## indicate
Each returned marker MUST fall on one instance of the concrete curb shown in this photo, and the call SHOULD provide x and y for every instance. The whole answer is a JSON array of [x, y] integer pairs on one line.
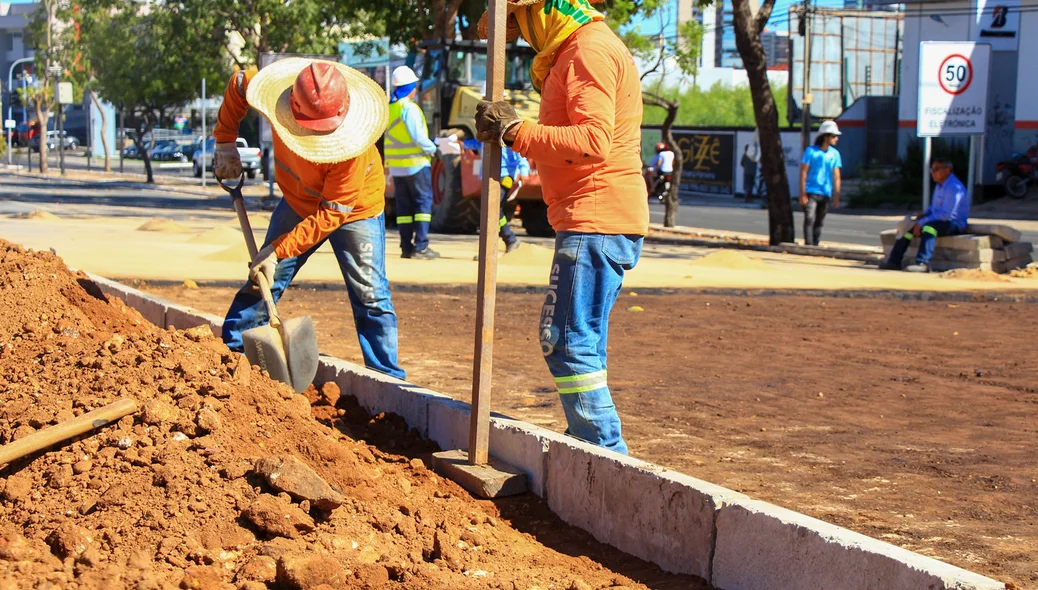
[[705, 239], [682, 524]]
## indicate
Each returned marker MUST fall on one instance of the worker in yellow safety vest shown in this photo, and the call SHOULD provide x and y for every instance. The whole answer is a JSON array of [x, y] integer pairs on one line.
[[408, 152]]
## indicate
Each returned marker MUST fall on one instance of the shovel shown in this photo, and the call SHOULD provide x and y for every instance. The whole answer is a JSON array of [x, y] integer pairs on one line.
[[285, 349]]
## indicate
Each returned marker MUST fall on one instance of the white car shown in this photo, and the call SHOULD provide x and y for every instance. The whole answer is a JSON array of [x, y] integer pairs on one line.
[[250, 157]]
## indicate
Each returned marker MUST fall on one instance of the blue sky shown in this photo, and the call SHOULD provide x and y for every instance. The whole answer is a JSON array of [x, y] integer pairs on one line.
[[779, 15]]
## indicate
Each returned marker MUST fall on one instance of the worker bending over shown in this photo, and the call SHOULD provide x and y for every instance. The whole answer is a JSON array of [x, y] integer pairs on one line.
[[325, 118]]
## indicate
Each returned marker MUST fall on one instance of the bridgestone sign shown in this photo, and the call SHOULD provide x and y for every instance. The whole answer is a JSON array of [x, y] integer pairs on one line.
[[953, 88]]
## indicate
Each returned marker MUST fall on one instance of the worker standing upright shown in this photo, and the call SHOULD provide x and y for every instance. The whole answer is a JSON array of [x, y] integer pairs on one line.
[[408, 156], [587, 145]]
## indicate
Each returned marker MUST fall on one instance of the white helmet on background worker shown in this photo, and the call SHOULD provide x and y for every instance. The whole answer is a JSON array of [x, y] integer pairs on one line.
[[403, 76], [828, 128]]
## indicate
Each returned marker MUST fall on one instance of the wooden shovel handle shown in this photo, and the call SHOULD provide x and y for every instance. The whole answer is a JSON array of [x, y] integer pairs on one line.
[[243, 221], [250, 243], [69, 429]]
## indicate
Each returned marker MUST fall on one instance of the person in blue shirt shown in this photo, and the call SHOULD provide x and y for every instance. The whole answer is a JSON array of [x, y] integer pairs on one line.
[[514, 168], [820, 180], [948, 215]]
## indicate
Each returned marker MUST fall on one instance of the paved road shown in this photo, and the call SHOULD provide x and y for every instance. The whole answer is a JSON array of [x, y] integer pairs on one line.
[[20, 194], [843, 227]]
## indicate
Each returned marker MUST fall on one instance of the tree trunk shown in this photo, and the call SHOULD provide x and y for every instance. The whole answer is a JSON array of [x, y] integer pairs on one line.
[[670, 203], [773, 166], [43, 116], [142, 130], [104, 130]]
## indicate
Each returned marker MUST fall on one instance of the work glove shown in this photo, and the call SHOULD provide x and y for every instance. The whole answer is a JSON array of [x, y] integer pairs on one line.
[[507, 182], [227, 161], [264, 264], [493, 120]]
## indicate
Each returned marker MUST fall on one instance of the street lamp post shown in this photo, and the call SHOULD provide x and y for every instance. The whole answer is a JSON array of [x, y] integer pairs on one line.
[[10, 107]]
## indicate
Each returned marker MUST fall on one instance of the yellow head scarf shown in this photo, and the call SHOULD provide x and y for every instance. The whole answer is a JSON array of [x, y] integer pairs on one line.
[[546, 25]]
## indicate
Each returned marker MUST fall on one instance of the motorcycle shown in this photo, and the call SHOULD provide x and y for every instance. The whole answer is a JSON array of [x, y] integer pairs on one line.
[[658, 186], [1018, 172]]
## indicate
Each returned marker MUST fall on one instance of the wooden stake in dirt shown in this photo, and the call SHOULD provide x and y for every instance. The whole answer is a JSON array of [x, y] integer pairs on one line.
[[66, 430], [479, 476]]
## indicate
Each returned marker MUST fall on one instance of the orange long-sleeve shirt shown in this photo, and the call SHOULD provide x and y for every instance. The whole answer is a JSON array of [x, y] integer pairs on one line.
[[326, 196], [587, 143]]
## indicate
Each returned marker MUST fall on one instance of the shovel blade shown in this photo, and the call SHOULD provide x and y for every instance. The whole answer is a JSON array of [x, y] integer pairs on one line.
[[300, 342], [263, 347]]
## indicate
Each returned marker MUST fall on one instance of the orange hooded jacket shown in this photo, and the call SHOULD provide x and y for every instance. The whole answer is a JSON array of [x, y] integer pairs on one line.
[[326, 196], [587, 142]]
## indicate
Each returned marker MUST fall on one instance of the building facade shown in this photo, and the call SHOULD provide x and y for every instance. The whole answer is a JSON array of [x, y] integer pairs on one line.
[[1011, 27], [13, 46]]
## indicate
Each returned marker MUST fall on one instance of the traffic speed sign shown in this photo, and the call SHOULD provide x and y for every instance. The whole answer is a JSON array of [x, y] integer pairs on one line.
[[953, 88], [955, 74]]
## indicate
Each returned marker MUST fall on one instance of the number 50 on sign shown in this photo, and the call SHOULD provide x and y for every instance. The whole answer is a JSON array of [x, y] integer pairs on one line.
[[953, 88]]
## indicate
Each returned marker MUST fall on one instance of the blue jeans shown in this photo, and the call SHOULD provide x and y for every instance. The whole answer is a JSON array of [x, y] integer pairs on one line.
[[586, 276], [927, 241], [413, 196], [360, 249]]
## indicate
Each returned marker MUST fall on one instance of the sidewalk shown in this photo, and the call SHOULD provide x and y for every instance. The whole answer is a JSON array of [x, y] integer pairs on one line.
[[179, 184]]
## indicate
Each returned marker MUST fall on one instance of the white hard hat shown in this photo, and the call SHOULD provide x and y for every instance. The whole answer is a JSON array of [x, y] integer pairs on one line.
[[827, 127], [402, 76]]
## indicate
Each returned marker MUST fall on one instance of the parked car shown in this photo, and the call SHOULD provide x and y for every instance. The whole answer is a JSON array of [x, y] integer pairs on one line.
[[250, 157], [69, 143], [161, 148]]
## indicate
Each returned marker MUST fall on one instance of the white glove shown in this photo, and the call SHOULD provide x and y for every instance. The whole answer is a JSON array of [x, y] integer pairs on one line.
[[227, 161], [264, 263]]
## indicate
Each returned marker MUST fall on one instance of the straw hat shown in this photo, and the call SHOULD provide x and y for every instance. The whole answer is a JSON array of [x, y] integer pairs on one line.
[[511, 26], [364, 120]]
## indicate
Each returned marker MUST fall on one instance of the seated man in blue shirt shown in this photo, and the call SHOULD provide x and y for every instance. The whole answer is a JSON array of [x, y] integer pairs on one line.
[[948, 215]]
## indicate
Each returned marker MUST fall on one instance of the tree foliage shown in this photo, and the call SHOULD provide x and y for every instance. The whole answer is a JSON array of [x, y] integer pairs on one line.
[[150, 61]]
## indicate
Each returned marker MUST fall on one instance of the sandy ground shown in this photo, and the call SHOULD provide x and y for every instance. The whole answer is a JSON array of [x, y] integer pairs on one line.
[[912, 422], [207, 246]]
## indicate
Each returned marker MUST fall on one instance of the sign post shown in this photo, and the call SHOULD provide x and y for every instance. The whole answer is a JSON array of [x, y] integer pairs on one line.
[[953, 98]]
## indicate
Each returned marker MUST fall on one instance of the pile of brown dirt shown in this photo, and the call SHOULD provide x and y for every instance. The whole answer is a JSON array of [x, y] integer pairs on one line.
[[223, 480], [163, 225], [731, 259], [220, 235], [974, 274], [38, 215]]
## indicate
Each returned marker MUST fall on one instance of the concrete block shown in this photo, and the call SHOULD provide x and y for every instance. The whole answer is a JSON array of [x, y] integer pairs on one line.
[[377, 393], [1018, 249], [980, 255], [1018, 262], [960, 242], [449, 423], [183, 318], [1008, 234], [761, 546], [525, 447], [493, 480], [657, 515]]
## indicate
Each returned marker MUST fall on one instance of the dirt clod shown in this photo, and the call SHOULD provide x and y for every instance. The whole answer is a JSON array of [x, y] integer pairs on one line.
[[278, 518], [292, 476], [308, 572]]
